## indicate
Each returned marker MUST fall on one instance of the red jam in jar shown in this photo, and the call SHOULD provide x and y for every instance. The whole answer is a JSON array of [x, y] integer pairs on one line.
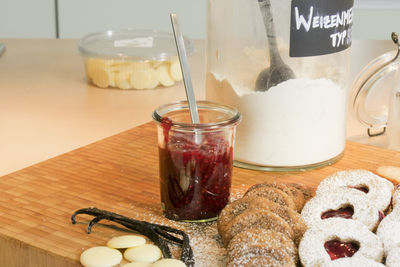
[[196, 166]]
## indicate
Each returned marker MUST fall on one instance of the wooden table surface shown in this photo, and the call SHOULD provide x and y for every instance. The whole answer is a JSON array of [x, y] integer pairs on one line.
[[120, 174]]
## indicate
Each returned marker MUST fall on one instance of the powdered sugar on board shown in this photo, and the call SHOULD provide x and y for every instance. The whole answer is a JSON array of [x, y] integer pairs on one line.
[[205, 241]]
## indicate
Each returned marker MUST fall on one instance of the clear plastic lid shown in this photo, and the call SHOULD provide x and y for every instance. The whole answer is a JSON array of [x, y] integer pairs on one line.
[[131, 44], [373, 86]]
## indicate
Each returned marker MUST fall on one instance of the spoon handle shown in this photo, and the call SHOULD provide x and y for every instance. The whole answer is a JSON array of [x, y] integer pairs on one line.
[[187, 80], [265, 7]]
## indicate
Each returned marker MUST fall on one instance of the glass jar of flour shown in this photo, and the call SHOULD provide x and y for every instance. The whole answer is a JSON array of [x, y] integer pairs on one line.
[[284, 65]]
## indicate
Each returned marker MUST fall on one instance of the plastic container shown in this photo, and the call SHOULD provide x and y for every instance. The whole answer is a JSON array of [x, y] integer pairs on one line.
[[131, 59], [196, 160], [297, 119], [376, 102]]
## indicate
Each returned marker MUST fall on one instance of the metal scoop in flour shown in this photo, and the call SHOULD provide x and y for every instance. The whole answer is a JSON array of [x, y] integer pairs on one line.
[[278, 71]]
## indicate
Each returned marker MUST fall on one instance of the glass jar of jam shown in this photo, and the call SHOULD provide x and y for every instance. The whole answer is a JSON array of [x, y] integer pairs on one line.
[[195, 160]]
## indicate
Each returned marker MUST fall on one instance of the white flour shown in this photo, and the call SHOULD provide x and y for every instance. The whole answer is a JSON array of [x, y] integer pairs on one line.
[[298, 122]]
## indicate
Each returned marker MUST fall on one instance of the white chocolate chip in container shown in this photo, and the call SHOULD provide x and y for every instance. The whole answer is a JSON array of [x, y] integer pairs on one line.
[[169, 263], [144, 79], [163, 74], [126, 241], [143, 253], [175, 70], [100, 257]]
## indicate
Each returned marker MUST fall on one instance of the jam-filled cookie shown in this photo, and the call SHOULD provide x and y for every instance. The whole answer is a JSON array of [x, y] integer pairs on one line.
[[336, 238], [393, 257], [376, 188], [262, 242], [256, 219], [352, 262], [343, 202], [396, 198], [388, 230]]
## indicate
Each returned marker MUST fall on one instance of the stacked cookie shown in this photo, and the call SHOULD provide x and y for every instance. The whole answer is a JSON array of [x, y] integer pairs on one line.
[[342, 219], [264, 227], [388, 232]]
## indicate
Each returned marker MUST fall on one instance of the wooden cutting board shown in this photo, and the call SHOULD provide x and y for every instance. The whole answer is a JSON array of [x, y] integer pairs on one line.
[[120, 174]]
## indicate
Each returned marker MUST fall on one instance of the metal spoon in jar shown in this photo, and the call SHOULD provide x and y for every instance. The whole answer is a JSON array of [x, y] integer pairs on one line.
[[187, 80], [278, 71]]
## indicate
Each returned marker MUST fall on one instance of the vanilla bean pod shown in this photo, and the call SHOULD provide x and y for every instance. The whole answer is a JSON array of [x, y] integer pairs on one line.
[[137, 228], [152, 231]]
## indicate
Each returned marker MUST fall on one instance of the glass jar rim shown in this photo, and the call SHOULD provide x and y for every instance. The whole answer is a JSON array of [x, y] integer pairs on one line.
[[158, 114]]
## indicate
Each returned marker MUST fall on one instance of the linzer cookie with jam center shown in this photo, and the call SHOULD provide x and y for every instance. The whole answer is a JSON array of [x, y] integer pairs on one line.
[[336, 238], [343, 202], [376, 188]]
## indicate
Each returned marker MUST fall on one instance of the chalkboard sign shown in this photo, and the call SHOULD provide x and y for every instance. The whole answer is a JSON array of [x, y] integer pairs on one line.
[[320, 27]]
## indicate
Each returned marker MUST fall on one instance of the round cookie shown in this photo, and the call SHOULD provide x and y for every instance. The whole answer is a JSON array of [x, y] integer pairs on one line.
[[237, 207], [255, 260], [307, 192], [312, 249], [271, 193], [262, 242], [393, 257], [292, 192], [388, 230], [256, 219], [293, 218], [342, 197], [352, 262], [379, 189]]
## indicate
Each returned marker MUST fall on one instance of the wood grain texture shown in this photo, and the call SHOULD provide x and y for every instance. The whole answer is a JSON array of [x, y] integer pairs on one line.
[[120, 174]]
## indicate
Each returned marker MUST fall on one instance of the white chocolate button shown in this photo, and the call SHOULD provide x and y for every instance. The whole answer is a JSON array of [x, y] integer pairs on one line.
[[100, 257], [126, 241], [143, 253], [169, 263], [101, 77], [137, 264], [122, 80], [144, 79], [175, 70], [163, 74]]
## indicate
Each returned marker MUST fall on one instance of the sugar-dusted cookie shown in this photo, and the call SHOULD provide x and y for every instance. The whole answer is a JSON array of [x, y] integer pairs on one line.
[[256, 219], [388, 230], [393, 257], [342, 202], [353, 262], [376, 188], [291, 191], [336, 238], [262, 242], [271, 193]]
